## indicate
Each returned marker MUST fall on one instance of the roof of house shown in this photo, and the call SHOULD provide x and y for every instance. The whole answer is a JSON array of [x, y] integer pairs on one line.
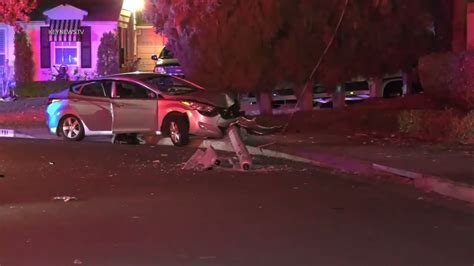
[[99, 10]]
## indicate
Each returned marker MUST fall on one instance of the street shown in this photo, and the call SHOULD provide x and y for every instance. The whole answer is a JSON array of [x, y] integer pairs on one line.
[[135, 206]]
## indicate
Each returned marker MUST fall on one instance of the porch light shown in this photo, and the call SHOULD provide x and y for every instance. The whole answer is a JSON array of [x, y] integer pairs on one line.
[[133, 5]]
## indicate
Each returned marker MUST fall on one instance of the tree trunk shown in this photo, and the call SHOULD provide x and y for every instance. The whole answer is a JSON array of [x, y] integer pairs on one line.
[[407, 82], [459, 25], [339, 97], [375, 87], [305, 98], [264, 100]]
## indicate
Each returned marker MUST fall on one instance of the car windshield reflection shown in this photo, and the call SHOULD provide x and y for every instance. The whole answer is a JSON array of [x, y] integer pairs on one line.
[[169, 85]]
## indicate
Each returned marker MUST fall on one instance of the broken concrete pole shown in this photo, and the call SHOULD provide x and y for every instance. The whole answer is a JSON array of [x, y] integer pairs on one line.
[[239, 147]]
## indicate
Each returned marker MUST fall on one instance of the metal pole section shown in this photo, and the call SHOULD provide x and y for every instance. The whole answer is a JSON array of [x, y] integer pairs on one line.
[[239, 147]]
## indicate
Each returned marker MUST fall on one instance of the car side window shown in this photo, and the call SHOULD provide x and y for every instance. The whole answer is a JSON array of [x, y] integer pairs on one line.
[[128, 90], [94, 89], [107, 84]]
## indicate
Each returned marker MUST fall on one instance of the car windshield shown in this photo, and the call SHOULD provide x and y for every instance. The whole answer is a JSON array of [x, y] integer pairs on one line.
[[166, 54], [170, 85]]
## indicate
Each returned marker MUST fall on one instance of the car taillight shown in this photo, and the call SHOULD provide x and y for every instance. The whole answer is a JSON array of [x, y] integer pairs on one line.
[[52, 100]]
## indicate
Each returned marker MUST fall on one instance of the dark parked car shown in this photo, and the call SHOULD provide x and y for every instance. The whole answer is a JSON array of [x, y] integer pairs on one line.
[[167, 64]]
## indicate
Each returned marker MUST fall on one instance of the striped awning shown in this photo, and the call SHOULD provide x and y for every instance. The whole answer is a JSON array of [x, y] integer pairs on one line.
[[65, 30]]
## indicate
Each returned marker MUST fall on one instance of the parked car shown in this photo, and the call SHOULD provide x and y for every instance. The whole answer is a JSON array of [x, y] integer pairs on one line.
[[393, 87], [166, 63], [143, 103]]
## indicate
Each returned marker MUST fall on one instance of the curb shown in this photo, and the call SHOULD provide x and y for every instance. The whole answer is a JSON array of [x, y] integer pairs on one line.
[[11, 133], [443, 186]]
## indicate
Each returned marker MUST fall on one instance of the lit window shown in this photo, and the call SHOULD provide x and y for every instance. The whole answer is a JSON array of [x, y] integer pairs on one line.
[[3, 45], [66, 53]]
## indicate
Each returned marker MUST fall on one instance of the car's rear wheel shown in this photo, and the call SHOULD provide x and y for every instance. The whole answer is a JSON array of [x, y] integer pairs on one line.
[[71, 128], [178, 130]]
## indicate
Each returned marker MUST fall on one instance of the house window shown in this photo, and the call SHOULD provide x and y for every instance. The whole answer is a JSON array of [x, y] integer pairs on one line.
[[66, 53], [3, 49]]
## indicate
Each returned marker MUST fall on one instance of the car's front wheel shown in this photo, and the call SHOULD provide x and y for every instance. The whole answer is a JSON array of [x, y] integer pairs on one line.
[[178, 130], [71, 128]]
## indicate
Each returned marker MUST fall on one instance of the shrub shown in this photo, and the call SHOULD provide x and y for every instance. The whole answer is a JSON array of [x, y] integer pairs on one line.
[[436, 125], [24, 65], [463, 129], [448, 78], [108, 55]]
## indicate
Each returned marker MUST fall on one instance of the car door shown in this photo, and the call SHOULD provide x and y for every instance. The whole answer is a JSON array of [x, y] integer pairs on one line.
[[93, 105], [135, 108]]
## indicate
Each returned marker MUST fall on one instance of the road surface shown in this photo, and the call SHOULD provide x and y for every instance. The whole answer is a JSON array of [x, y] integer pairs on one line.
[[137, 207]]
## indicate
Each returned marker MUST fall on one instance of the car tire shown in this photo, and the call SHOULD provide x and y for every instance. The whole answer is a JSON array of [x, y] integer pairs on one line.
[[71, 128], [177, 128]]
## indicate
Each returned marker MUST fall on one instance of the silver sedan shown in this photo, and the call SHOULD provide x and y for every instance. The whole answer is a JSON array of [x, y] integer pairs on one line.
[[143, 103]]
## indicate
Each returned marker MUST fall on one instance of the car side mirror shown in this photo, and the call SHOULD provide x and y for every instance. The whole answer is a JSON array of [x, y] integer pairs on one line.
[[154, 57]]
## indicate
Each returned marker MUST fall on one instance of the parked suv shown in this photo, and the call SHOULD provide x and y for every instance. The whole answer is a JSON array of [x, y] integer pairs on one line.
[[167, 64]]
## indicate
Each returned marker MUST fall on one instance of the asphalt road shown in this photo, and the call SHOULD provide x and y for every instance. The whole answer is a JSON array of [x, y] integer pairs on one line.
[[135, 210]]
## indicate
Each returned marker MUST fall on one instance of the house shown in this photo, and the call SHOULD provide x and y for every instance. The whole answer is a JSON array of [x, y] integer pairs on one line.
[[69, 32]]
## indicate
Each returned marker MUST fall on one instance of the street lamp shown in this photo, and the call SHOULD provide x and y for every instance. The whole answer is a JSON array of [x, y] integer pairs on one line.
[[133, 5]]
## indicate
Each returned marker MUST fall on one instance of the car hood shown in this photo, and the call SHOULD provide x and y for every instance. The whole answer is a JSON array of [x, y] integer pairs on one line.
[[222, 100], [167, 62]]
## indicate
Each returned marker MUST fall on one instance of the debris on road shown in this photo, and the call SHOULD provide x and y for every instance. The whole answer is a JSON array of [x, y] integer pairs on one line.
[[51, 163], [202, 160], [65, 198], [156, 161], [77, 262]]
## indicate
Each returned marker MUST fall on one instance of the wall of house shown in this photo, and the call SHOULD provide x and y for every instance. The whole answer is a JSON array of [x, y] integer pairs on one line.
[[98, 28], [148, 43], [10, 46]]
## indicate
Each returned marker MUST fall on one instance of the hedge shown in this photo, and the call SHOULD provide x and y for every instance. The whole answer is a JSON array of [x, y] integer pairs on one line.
[[41, 88]]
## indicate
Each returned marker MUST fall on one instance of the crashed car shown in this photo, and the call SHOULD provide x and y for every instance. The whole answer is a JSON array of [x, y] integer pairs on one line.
[[141, 103]]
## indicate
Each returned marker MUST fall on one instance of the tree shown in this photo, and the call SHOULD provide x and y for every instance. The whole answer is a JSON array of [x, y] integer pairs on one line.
[[24, 65], [13, 11], [459, 9], [108, 55], [253, 45]]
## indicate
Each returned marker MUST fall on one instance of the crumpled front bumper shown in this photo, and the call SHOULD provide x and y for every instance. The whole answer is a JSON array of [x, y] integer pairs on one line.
[[216, 127]]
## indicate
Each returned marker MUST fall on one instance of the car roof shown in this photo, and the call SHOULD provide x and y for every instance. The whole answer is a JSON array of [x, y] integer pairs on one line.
[[137, 77]]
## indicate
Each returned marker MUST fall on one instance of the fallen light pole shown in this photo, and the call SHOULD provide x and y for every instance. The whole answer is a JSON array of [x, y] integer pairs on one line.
[[245, 160]]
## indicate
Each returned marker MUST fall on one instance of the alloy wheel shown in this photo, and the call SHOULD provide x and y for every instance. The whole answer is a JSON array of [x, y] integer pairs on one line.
[[71, 127], [174, 132]]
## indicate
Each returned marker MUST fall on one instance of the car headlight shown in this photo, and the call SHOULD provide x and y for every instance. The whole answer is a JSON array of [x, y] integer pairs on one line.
[[160, 70], [203, 109]]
